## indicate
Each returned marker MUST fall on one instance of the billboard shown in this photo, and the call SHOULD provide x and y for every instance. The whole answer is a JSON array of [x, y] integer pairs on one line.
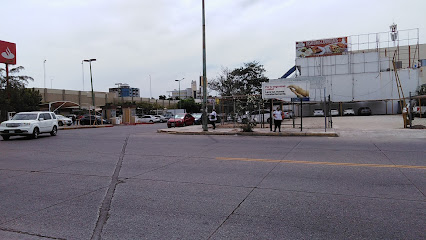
[[285, 89], [323, 47], [7, 52]]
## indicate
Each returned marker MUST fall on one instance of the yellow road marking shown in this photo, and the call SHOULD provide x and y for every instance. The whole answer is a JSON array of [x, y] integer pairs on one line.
[[322, 163]]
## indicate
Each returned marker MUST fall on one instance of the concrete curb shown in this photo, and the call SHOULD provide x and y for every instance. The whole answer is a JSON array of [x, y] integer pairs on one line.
[[273, 134], [85, 126]]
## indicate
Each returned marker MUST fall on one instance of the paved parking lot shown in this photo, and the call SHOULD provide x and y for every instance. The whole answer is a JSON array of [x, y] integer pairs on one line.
[[130, 182]]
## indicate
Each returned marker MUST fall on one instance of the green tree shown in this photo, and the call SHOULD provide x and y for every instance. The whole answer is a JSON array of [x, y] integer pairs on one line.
[[190, 105], [246, 80], [162, 97], [14, 97]]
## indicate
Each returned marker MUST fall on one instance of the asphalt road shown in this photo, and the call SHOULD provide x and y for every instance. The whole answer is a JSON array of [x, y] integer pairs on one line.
[[129, 182]]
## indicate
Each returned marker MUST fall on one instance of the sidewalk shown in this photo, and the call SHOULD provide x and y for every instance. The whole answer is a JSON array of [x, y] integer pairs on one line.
[[198, 130], [354, 126]]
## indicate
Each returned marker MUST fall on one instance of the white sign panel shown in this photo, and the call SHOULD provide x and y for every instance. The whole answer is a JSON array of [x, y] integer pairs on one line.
[[285, 89]]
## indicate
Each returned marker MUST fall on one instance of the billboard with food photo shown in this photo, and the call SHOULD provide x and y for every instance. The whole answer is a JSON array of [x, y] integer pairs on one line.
[[285, 89], [323, 47]]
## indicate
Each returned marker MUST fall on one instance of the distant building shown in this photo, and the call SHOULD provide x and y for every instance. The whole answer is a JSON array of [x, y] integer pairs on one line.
[[191, 92], [124, 90]]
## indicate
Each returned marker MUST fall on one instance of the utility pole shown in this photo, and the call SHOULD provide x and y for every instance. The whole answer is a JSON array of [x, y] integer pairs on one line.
[[204, 105]]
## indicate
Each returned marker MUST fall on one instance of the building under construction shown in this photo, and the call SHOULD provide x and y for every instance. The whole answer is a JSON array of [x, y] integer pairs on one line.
[[361, 70]]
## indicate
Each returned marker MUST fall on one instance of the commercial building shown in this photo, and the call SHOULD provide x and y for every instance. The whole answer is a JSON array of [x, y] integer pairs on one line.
[[191, 92], [124, 90], [359, 70]]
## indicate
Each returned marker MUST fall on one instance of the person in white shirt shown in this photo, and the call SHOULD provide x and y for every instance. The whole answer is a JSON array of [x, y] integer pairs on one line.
[[278, 117], [213, 118]]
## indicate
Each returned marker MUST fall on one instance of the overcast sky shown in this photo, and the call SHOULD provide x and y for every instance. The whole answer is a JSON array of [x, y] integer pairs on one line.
[[135, 39]]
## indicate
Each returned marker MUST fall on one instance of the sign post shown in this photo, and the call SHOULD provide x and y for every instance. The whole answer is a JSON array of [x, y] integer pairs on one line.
[[7, 56]]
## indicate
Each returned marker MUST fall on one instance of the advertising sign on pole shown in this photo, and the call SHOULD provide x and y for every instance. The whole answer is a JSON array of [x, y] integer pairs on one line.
[[285, 90], [7, 52], [323, 47]]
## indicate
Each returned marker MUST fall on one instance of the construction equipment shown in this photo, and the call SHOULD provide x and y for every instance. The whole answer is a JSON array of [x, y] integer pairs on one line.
[[403, 104]]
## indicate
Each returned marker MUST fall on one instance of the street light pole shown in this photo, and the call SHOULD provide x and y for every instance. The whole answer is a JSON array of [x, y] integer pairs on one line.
[[179, 90], [82, 70], [204, 105], [91, 82], [44, 68]]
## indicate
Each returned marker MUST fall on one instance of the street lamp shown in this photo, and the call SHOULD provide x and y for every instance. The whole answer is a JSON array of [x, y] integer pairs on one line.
[[204, 106], [82, 70], [44, 68], [179, 90], [91, 81]]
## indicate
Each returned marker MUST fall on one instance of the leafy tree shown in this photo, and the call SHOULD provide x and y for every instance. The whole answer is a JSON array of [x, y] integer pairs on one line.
[[246, 80], [190, 105], [162, 97], [14, 97], [421, 90]]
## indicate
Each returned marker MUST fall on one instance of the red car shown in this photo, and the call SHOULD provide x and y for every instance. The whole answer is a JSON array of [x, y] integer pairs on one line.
[[181, 120]]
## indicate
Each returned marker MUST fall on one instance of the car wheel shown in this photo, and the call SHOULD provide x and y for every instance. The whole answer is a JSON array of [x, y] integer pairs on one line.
[[60, 124], [151, 121], [169, 126], [36, 132], [184, 125], [5, 137], [54, 131]]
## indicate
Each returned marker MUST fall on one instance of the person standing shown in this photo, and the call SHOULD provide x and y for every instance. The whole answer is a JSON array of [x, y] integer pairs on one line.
[[278, 117], [213, 118]]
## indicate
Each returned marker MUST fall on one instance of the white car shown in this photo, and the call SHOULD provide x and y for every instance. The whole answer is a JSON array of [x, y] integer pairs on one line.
[[29, 124], [63, 120], [149, 119], [318, 112], [334, 112], [348, 111], [161, 117]]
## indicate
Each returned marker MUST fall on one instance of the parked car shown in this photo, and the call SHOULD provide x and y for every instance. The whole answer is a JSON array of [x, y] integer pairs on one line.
[[334, 112], [63, 120], [198, 118], [29, 124], [348, 112], [162, 118], [318, 113], [288, 114], [92, 119], [419, 109], [73, 117], [148, 119], [261, 116], [181, 120], [364, 111]]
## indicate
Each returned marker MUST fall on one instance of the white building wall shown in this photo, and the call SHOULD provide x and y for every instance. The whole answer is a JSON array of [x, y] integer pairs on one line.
[[358, 77]]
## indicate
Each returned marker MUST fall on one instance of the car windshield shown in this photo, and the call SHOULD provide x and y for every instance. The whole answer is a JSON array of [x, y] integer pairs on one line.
[[197, 115], [25, 116], [179, 115]]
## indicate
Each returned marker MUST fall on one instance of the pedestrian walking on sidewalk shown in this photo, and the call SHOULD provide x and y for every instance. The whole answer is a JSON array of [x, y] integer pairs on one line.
[[213, 118], [278, 117]]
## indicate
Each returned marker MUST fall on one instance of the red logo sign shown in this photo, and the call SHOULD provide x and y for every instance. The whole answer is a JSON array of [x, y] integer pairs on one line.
[[7, 52]]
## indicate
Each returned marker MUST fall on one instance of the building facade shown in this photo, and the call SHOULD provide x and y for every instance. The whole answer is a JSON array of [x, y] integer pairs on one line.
[[124, 90]]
